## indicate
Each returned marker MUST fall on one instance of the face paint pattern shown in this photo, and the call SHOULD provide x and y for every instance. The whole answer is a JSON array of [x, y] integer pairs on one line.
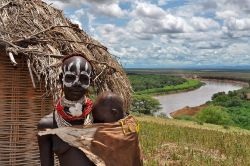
[[79, 77]]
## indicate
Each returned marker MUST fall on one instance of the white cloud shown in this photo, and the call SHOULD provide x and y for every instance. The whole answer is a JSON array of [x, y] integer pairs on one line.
[[169, 24], [91, 19], [239, 49], [147, 33], [112, 34], [238, 24], [162, 2], [76, 21], [112, 10], [151, 19], [226, 14], [203, 24], [148, 10], [109, 8], [57, 4]]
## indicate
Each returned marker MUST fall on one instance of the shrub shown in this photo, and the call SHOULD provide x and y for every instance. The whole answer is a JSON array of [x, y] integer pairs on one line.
[[162, 115], [145, 104], [241, 116], [215, 115], [232, 93], [235, 101], [227, 100], [218, 94]]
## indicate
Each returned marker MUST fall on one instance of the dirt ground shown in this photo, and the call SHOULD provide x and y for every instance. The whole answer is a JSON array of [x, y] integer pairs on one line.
[[188, 111]]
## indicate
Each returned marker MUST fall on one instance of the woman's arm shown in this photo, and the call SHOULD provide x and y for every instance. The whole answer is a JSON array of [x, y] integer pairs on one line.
[[45, 142]]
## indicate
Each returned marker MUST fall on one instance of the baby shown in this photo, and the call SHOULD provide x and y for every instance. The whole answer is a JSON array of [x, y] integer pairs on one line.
[[116, 145], [108, 108]]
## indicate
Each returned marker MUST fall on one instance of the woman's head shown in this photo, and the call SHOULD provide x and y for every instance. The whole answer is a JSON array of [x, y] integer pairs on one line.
[[76, 76], [108, 108]]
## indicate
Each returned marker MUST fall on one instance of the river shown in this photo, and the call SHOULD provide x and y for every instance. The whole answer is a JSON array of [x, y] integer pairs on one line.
[[174, 102]]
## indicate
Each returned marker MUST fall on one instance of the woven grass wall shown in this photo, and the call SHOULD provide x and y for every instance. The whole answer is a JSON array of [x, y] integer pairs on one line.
[[21, 107]]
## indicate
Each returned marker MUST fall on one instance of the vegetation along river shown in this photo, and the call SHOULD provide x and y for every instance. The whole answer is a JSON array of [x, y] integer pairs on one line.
[[174, 102]]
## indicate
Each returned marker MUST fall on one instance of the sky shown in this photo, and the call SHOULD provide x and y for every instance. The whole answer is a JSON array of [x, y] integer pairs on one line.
[[166, 33]]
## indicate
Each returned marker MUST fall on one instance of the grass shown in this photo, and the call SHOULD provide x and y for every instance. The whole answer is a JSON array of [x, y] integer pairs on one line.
[[176, 142], [186, 86], [142, 82]]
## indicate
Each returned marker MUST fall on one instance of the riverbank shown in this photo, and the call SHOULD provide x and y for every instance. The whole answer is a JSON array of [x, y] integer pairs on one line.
[[188, 85], [231, 109], [242, 83], [174, 102], [191, 111]]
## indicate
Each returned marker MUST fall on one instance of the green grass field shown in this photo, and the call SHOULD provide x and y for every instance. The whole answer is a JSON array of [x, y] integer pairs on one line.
[[187, 85], [142, 82], [175, 142]]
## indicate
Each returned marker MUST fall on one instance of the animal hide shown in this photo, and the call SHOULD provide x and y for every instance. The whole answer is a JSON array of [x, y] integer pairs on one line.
[[106, 144]]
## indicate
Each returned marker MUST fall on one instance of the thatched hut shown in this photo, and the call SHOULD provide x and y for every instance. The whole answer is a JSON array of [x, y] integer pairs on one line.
[[34, 37]]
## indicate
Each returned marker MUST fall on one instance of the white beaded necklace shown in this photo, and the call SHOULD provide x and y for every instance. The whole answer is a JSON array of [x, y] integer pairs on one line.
[[69, 103]]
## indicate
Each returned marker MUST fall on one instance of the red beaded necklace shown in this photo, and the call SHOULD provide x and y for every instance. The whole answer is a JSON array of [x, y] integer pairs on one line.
[[60, 110]]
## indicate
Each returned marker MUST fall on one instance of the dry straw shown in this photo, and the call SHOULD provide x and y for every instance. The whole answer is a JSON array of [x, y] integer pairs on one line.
[[40, 32]]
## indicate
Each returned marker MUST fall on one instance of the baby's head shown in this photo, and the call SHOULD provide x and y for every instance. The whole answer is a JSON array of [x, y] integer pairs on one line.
[[108, 108]]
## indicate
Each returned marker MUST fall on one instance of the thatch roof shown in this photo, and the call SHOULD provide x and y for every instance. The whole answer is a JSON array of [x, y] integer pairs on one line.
[[40, 32]]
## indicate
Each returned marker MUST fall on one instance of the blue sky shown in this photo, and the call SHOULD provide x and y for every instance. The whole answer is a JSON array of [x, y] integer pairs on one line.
[[167, 33]]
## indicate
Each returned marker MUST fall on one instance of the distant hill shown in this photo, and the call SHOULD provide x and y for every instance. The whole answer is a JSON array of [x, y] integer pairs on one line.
[[204, 67], [238, 74], [227, 68]]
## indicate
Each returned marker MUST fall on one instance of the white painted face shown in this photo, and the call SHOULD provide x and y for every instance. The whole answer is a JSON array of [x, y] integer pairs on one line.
[[77, 72]]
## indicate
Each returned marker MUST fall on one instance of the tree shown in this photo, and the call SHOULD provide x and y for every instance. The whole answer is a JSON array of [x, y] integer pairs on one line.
[[219, 94], [215, 115], [145, 104]]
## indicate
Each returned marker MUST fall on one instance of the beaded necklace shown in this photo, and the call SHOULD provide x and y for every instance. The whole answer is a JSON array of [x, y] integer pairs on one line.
[[70, 111]]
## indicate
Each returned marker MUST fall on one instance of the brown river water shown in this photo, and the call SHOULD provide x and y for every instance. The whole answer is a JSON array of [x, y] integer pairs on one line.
[[173, 102]]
